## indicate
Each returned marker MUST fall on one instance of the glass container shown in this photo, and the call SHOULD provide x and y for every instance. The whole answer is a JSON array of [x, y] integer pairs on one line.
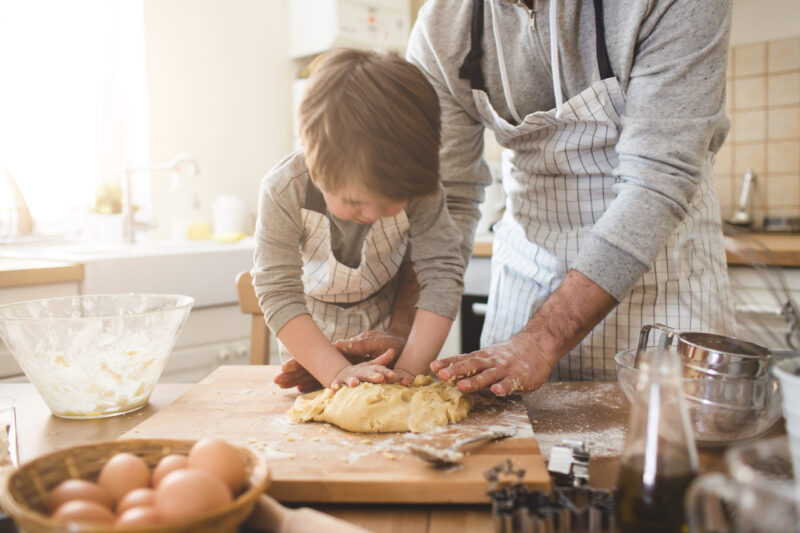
[[660, 457]]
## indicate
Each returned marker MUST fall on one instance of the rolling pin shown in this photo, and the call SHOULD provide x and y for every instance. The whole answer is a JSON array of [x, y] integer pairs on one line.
[[269, 515]]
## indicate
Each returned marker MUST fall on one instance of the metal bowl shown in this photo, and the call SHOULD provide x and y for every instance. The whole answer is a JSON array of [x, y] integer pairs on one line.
[[94, 356], [713, 355], [721, 410]]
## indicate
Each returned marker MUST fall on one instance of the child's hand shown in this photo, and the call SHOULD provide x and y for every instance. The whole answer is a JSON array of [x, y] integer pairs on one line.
[[293, 374], [364, 345], [373, 371]]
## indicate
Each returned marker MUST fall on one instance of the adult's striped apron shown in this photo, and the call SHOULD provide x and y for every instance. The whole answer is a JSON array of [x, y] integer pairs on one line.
[[345, 301], [557, 175]]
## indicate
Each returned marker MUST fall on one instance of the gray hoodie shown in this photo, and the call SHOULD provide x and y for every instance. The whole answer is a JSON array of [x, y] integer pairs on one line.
[[670, 58]]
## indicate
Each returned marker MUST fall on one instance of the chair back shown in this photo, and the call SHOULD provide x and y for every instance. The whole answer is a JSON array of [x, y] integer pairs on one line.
[[259, 333]]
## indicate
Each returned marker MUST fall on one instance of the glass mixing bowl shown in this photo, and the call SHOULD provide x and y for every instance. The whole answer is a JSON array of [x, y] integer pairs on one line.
[[94, 356], [721, 410]]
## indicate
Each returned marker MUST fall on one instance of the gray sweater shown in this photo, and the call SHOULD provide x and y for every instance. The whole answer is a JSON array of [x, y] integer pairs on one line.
[[670, 58], [280, 231]]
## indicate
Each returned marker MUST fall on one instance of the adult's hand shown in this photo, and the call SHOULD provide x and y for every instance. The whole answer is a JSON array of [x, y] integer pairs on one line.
[[293, 374], [517, 365], [523, 362]]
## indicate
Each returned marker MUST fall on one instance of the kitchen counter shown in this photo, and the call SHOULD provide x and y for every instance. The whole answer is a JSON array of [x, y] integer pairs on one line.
[[147, 267], [22, 271], [783, 249], [18, 272], [596, 413]]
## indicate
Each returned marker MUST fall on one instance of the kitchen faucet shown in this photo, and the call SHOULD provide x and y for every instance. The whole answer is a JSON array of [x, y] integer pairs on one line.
[[183, 164], [742, 217]]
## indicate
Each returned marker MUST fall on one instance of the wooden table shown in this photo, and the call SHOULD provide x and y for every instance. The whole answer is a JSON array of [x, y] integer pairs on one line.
[[594, 412]]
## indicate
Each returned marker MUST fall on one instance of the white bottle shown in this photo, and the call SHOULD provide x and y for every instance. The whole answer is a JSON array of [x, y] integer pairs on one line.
[[181, 208], [228, 215]]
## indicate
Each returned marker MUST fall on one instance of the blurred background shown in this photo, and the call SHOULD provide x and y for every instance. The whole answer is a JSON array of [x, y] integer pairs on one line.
[[91, 86], [186, 104]]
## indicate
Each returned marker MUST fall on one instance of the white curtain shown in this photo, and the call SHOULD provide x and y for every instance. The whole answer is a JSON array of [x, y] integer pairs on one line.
[[73, 103]]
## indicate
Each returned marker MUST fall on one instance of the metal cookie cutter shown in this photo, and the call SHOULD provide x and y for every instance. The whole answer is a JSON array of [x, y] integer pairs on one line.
[[572, 506], [569, 464]]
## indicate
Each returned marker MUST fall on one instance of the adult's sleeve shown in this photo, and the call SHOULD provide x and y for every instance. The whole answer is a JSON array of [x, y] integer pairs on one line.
[[674, 115], [464, 172]]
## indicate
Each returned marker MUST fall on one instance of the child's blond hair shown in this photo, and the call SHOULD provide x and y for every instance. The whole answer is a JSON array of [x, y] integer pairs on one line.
[[371, 119]]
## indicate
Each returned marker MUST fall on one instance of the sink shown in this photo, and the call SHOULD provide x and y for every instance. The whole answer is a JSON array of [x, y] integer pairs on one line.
[[205, 270]]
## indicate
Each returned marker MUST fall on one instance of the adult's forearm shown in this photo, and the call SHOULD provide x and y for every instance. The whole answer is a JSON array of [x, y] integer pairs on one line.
[[523, 362], [567, 316]]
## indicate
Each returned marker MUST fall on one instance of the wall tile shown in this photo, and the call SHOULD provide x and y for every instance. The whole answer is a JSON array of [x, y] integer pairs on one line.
[[783, 54], [723, 161], [724, 185], [750, 125], [758, 215], [758, 196], [783, 89], [783, 192], [783, 157], [728, 95], [782, 212], [783, 123], [747, 156], [729, 68], [750, 92], [750, 59]]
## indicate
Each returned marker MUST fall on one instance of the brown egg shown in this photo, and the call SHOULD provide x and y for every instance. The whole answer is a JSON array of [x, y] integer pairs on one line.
[[166, 465], [83, 511], [189, 492], [78, 489], [141, 497], [217, 457], [123, 473], [139, 516]]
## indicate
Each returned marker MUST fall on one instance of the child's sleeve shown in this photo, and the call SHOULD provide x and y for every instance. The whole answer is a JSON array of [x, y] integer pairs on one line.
[[434, 242], [278, 266]]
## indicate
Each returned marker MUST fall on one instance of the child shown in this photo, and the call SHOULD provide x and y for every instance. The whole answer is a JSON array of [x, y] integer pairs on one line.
[[337, 218]]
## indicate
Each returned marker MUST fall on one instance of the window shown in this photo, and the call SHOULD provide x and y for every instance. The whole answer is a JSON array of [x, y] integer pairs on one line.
[[73, 106]]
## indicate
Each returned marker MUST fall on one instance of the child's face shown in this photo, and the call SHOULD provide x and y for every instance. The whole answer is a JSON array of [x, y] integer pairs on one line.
[[361, 207]]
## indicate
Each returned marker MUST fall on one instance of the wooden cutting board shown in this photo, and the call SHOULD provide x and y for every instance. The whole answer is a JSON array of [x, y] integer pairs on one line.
[[318, 462]]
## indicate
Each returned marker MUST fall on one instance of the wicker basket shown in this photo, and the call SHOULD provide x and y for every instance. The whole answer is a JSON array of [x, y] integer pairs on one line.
[[26, 489]]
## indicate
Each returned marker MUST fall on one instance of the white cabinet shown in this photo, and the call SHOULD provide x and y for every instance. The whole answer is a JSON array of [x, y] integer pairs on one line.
[[318, 25], [212, 336]]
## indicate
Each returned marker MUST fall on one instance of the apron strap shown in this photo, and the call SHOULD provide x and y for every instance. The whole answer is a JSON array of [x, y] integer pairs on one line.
[[471, 67], [603, 63], [555, 67]]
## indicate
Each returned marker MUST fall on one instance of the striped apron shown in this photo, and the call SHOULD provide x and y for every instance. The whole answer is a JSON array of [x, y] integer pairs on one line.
[[557, 175], [346, 301]]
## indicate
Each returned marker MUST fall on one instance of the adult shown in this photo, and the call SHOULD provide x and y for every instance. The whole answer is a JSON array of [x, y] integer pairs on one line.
[[610, 113]]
